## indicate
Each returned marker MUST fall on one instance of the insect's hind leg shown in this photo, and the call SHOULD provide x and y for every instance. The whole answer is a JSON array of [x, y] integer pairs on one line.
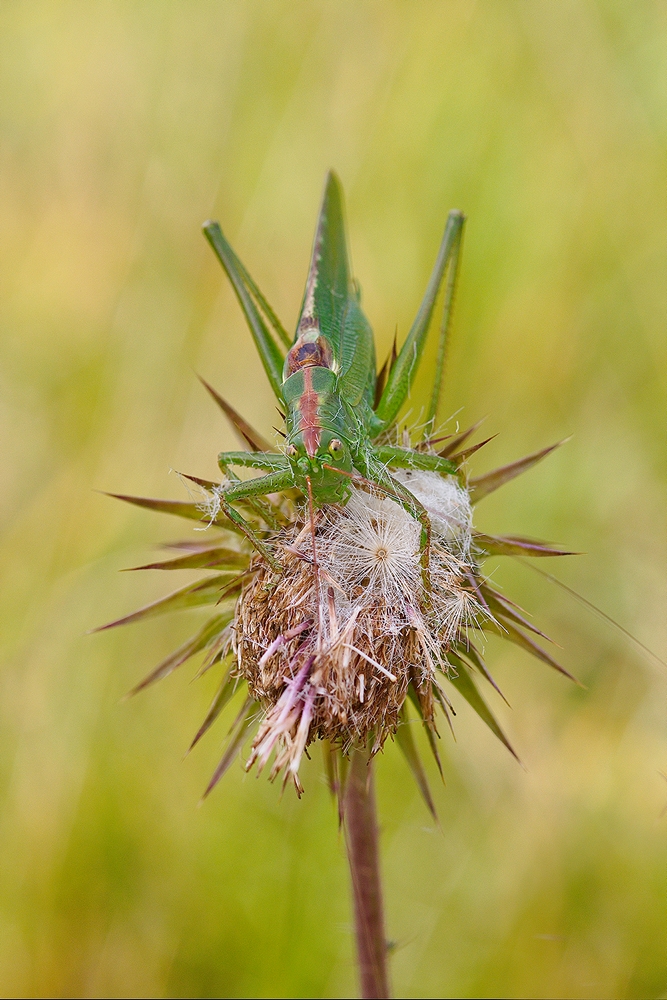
[[405, 367], [450, 288], [408, 458], [268, 461]]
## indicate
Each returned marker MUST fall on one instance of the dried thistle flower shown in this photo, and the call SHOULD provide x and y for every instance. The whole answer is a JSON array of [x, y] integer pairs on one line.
[[372, 631]]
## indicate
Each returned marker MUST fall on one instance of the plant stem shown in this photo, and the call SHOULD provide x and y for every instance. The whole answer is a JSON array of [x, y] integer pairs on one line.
[[362, 851]]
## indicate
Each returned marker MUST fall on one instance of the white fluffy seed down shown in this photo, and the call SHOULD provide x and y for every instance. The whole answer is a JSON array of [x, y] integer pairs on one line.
[[371, 549], [448, 506]]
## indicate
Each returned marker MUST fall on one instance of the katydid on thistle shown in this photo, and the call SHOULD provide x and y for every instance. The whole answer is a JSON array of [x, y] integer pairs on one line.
[[337, 409]]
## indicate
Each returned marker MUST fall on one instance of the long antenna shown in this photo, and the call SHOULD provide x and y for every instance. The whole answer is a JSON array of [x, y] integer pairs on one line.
[[596, 611]]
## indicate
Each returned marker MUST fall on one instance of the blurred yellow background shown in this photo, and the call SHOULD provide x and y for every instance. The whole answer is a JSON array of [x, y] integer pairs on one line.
[[124, 127]]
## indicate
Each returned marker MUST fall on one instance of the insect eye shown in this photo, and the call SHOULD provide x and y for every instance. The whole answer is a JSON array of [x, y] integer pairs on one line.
[[291, 451], [336, 448]]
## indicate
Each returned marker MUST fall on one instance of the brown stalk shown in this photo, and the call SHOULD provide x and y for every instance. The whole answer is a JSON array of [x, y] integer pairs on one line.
[[361, 833]]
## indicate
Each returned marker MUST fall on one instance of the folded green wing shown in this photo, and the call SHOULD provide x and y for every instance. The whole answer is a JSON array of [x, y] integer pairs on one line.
[[331, 303]]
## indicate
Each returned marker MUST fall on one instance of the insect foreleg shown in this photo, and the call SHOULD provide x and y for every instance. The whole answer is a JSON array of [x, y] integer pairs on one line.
[[450, 288], [249, 490], [273, 483], [257, 460], [253, 459]]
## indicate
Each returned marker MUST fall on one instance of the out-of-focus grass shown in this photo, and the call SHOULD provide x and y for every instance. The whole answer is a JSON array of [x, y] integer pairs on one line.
[[124, 126]]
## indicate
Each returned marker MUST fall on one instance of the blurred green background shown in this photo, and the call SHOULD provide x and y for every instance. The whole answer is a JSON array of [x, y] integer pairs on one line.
[[124, 127]]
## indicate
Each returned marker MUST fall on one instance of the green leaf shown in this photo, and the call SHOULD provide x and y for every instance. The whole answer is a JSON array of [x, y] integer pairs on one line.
[[343, 773], [206, 635], [205, 558], [465, 685], [457, 441], [481, 486], [406, 742], [462, 456], [240, 728], [329, 758], [504, 611], [429, 727], [513, 634], [208, 591], [189, 544], [214, 655], [182, 508], [472, 655], [222, 698], [511, 545], [249, 438], [384, 374], [207, 484], [445, 705]]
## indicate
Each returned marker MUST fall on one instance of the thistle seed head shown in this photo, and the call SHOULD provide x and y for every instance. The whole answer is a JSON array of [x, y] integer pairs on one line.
[[329, 650], [331, 626]]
